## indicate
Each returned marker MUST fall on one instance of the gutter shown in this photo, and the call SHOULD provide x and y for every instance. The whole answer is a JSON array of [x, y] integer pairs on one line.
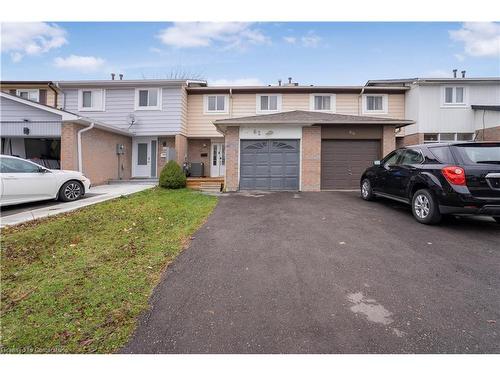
[[79, 146]]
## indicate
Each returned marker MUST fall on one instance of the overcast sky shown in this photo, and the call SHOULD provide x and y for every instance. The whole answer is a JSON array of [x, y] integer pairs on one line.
[[249, 53]]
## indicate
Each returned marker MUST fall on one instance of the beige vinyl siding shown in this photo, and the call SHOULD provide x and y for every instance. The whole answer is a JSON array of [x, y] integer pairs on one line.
[[50, 92], [200, 124]]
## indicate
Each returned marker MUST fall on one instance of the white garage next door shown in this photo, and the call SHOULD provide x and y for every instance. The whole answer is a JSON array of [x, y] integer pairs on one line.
[[269, 164]]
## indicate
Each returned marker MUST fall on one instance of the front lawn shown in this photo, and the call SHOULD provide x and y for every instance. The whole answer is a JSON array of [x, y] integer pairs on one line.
[[77, 282]]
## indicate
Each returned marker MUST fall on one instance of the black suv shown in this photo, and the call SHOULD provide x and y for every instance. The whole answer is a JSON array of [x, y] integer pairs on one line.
[[439, 179]]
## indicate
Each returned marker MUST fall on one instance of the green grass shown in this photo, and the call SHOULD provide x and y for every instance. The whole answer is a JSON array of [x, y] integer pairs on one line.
[[76, 283]]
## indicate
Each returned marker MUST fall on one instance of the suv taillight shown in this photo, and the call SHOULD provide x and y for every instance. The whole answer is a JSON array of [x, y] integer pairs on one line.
[[455, 175]]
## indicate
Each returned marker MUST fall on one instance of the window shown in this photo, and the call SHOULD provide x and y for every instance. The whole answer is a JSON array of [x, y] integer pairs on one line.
[[447, 137], [148, 99], [442, 154], [8, 165], [411, 157], [268, 103], [31, 94], [391, 159], [375, 103], [216, 103], [454, 96], [321, 102], [91, 100]]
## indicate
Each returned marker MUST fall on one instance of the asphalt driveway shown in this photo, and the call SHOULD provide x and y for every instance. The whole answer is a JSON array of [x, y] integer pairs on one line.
[[327, 273]]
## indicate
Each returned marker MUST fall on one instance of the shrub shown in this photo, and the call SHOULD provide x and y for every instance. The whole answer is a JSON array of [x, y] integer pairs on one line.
[[172, 176]]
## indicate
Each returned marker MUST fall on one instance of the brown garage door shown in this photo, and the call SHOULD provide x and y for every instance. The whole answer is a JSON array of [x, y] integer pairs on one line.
[[343, 162]]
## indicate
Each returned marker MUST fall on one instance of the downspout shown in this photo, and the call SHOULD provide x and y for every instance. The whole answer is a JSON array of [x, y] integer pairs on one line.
[[63, 96], [231, 102], [79, 146], [360, 102]]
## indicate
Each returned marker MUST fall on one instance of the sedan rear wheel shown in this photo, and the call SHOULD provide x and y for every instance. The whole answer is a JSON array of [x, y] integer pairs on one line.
[[425, 207], [71, 191]]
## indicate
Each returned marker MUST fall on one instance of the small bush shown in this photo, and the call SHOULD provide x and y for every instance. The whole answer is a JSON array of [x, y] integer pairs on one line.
[[172, 176]]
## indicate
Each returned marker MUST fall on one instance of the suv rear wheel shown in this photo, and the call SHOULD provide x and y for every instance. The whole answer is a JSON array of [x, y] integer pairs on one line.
[[366, 190], [425, 208]]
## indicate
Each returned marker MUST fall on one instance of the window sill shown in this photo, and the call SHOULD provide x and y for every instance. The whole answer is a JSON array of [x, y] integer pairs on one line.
[[264, 112], [461, 106], [216, 112], [366, 112], [148, 108], [90, 110]]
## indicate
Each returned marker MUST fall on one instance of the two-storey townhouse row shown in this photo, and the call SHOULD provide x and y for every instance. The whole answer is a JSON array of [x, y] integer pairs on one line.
[[108, 129], [292, 137], [449, 109]]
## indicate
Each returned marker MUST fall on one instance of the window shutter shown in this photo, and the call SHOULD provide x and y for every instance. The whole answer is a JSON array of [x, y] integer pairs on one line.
[[12, 91], [42, 96]]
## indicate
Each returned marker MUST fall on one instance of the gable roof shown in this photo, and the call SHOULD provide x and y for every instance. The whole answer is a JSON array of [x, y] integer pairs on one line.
[[305, 118], [65, 115]]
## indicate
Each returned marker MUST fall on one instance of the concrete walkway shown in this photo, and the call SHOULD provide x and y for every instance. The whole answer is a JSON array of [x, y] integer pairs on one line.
[[17, 214]]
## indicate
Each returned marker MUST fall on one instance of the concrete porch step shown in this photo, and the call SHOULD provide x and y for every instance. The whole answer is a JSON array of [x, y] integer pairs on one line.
[[211, 187]]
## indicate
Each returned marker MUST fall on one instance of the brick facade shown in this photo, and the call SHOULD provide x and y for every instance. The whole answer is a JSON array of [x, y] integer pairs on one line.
[[311, 158], [489, 134], [232, 140], [413, 139], [388, 140], [198, 147], [181, 148], [164, 142], [100, 161]]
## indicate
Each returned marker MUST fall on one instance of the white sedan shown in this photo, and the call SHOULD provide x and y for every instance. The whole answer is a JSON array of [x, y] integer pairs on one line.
[[23, 181]]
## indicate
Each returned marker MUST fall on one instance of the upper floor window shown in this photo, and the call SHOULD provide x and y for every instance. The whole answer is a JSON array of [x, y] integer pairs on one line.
[[322, 102], [30, 94], [148, 99], [216, 104], [375, 103], [91, 100], [447, 137], [454, 96], [269, 103]]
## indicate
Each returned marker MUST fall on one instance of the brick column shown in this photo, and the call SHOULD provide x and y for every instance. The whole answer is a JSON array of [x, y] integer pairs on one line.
[[388, 140], [181, 148], [311, 158], [232, 140], [69, 155]]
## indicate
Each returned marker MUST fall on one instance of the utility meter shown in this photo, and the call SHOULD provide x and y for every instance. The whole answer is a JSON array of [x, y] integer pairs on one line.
[[120, 149]]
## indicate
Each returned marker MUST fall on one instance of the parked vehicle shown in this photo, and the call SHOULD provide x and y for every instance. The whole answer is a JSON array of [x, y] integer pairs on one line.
[[439, 179], [22, 181]]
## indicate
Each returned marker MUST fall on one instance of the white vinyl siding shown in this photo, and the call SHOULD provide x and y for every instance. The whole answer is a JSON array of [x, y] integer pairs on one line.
[[322, 102], [268, 103], [216, 104], [148, 99], [375, 103], [91, 100]]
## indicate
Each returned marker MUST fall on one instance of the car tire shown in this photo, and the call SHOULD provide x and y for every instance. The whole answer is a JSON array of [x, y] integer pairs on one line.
[[425, 208], [497, 219], [71, 191], [366, 190]]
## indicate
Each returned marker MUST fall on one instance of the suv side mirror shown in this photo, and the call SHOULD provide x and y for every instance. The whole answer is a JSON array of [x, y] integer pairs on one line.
[[376, 162]]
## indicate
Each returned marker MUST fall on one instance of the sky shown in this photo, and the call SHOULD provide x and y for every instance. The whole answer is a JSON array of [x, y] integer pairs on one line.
[[248, 53]]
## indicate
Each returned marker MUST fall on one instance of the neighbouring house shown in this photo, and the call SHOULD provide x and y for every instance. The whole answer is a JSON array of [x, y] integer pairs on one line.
[[43, 92], [59, 139], [292, 137], [448, 109]]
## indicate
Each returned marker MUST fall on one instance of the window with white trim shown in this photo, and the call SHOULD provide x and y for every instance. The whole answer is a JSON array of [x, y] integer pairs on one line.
[[269, 103], [447, 137], [454, 96], [91, 100], [148, 99], [30, 94], [375, 103], [216, 103], [322, 102]]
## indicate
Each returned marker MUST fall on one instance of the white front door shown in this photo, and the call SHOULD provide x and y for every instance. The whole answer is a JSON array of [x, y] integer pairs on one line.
[[144, 157], [218, 160]]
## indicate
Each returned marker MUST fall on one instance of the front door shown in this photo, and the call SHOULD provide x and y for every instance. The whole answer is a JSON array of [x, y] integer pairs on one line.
[[218, 160], [144, 157]]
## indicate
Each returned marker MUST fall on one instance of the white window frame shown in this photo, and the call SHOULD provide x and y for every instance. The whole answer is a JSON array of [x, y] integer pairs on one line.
[[333, 103], [158, 105], [455, 137], [454, 104], [215, 112], [385, 104], [37, 91], [95, 107], [279, 101]]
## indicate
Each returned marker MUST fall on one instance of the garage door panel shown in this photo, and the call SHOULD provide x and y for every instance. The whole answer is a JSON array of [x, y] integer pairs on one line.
[[344, 161], [269, 165]]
